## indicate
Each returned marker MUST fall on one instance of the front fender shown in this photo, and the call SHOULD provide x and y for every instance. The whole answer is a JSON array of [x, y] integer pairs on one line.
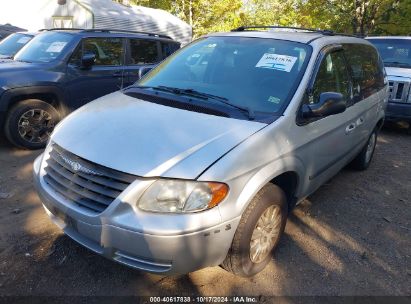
[[9, 96], [245, 187], [252, 164]]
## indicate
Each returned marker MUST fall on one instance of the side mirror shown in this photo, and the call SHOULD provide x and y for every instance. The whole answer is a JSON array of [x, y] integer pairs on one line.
[[143, 71], [330, 103], [88, 60]]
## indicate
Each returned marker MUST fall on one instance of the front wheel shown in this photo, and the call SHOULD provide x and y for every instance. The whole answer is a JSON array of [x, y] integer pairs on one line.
[[363, 159], [258, 233], [29, 123]]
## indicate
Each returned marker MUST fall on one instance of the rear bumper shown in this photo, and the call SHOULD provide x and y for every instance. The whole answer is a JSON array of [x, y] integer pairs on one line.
[[398, 112], [157, 253]]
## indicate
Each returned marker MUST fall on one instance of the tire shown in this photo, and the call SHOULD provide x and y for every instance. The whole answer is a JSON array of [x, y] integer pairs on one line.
[[363, 159], [29, 123], [239, 259]]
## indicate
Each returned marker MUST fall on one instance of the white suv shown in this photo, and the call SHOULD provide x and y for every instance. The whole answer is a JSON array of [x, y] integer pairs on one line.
[[199, 163], [396, 54]]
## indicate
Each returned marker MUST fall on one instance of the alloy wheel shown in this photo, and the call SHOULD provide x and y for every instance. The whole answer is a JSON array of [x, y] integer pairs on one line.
[[265, 234]]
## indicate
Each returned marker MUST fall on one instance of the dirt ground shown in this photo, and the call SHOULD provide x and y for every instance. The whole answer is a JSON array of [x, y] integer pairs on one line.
[[352, 237]]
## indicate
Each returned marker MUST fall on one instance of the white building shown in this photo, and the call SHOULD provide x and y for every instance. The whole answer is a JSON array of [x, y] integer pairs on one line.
[[37, 14]]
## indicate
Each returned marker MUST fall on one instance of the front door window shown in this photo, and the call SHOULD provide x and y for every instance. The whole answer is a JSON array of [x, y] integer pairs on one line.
[[332, 76]]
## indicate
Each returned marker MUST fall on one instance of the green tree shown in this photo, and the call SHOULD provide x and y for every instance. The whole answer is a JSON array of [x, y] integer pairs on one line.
[[348, 16], [274, 12], [203, 15], [396, 20], [361, 17]]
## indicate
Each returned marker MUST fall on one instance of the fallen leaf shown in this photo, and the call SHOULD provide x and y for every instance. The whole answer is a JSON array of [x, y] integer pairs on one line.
[[4, 195]]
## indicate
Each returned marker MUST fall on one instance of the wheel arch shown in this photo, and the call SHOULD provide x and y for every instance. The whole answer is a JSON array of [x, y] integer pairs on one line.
[[288, 181], [380, 123], [287, 173], [50, 94]]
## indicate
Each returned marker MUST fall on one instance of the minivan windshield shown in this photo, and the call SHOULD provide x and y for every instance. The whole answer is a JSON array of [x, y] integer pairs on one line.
[[12, 44], [394, 52], [45, 47], [257, 74]]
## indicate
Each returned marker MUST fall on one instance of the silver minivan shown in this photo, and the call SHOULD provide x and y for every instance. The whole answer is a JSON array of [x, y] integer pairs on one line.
[[199, 163]]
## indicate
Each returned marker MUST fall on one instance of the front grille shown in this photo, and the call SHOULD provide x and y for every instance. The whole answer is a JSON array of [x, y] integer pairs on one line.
[[398, 91], [86, 184]]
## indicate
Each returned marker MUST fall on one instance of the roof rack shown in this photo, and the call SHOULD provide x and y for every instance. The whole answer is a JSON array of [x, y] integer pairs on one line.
[[245, 28], [127, 31], [319, 31], [107, 31], [61, 29]]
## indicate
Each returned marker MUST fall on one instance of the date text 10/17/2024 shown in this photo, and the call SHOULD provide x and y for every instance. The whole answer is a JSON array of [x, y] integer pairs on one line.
[[204, 299]]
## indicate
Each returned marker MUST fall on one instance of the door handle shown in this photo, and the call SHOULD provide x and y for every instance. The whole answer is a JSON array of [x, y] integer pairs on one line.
[[118, 74], [350, 128], [360, 121]]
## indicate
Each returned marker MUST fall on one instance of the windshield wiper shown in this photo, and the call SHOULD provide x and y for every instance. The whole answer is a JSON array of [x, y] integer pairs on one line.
[[161, 88], [396, 63], [201, 95], [19, 60]]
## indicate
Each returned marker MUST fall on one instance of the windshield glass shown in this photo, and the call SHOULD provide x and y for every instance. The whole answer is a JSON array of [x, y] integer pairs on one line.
[[394, 52], [45, 47], [258, 74], [12, 44]]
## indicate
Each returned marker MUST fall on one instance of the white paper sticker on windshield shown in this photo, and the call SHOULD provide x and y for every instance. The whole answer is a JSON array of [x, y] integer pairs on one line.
[[274, 100], [23, 40], [276, 62], [56, 47]]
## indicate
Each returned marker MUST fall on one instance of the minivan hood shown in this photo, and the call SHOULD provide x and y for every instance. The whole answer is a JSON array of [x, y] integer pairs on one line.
[[146, 139], [399, 72]]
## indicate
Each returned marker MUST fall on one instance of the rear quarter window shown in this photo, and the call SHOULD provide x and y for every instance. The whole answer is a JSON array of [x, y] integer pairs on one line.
[[143, 51], [169, 48]]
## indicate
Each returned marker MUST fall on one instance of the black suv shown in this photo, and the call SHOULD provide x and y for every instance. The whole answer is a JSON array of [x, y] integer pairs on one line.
[[60, 70], [12, 44]]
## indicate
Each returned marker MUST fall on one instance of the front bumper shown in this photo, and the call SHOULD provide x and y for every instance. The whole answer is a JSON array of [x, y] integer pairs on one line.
[[177, 250], [398, 112]]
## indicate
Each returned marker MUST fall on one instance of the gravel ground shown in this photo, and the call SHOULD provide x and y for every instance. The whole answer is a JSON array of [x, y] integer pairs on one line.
[[352, 237]]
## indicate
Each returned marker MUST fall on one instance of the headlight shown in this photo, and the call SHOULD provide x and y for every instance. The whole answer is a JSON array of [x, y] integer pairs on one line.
[[179, 196]]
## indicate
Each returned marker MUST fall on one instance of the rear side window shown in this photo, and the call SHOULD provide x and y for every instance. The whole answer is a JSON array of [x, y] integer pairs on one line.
[[366, 69], [143, 51], [332, 76], [169, 48], [108, 51]]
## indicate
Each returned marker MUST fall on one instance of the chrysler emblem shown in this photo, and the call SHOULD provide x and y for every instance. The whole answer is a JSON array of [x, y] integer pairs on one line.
[[77, 167]]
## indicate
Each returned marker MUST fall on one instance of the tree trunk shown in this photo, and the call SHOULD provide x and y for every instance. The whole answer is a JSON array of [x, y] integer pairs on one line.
[[190, 18]]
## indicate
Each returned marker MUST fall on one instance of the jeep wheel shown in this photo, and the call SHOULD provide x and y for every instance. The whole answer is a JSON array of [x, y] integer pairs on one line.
[[29, 123], [258, 233], [363, 159]]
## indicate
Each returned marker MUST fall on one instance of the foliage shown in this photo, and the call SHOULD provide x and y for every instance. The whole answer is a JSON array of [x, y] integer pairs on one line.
[[362, 17]]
